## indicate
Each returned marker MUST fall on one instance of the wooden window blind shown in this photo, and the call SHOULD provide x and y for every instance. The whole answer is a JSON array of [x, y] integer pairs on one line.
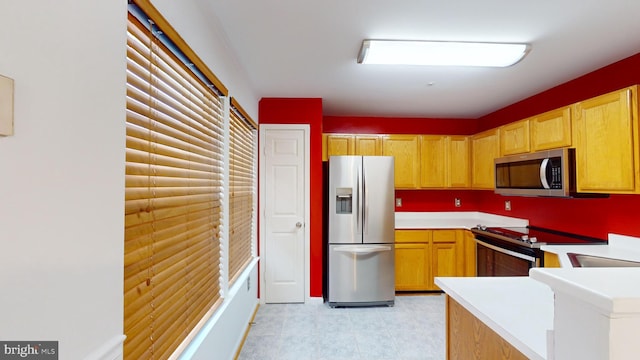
[[174, 162], [242, 185]]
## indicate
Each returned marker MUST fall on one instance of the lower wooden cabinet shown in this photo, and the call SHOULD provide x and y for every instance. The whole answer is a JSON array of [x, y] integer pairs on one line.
[[422, 255], [551, 260], [468, 338], [412, 266]]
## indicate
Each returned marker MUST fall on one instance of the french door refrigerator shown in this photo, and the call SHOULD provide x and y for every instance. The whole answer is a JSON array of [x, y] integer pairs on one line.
[[361, 236]]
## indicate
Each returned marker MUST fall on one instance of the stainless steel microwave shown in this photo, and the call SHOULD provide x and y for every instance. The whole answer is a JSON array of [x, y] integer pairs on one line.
[[543, 173]]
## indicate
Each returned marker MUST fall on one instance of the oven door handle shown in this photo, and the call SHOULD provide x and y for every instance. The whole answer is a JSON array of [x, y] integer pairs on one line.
[[507, 252]]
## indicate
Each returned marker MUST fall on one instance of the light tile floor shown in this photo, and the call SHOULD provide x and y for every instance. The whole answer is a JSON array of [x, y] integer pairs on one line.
[[414, 328]]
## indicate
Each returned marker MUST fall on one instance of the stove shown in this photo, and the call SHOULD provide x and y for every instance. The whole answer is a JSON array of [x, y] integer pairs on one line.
[[534, 237], [505, 251]]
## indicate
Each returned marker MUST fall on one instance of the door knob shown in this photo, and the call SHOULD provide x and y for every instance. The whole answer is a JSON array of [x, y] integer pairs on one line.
[[298, 224]]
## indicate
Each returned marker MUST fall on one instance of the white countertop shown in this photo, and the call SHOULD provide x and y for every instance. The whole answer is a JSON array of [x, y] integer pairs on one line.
[[619, 247], [611, 290], [454, 220], [519, 309]]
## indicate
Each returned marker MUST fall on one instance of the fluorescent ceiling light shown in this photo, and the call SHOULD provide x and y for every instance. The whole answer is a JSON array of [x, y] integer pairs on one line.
[[447, 53]]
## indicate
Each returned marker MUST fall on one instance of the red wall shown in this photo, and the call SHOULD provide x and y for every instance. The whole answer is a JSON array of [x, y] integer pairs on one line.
[[595, 217], [592, 217], [304, 111], [620, 74], [437, 200], [392, 125]]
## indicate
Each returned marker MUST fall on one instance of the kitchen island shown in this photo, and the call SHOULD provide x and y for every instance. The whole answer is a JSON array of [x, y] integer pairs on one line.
[[561, 313], [518, 309]]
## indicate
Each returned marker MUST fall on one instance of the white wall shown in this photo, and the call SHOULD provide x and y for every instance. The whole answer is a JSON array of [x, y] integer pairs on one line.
[[221, 336], [62, 175], [194, 21]]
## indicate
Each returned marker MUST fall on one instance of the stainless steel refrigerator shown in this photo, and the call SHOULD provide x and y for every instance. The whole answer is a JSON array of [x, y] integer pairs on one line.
[[361, 219]]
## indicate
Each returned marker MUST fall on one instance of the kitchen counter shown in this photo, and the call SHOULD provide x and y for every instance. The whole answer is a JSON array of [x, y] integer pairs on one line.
[[597, 312], [562, 313], [610, 290], [519, 309], [618, 247], [454, 220]]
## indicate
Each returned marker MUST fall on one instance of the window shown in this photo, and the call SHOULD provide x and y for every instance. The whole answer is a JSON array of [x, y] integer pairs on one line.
[[174, 182], [242, 196]]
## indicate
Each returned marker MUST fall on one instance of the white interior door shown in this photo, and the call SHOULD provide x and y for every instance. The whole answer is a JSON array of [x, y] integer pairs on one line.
[[284, 203]]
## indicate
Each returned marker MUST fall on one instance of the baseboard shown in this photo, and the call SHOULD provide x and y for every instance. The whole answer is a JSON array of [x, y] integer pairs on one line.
[[246, 332]]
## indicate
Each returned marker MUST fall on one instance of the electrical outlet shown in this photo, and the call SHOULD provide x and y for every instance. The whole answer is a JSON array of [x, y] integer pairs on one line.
[[507, 205], [457, 202], [399, 202]]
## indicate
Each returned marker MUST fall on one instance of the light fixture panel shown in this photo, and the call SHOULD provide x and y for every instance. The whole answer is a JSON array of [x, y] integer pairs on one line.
[[441, 53]]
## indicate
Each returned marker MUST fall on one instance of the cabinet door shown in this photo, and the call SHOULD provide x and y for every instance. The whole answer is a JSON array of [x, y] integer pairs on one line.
[[446, 254], [469, 246], [433, 159], [551, 130], [514, 138], [412, 270], [485, 147], [444, 259], [606, 140], [458, 164], [413, 236], [551, 260], [340, 145], [368, 145], [405, 149]]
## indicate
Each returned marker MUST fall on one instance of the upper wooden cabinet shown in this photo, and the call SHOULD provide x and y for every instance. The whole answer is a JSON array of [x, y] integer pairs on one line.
[[444, 161], [514, 138], [368, 145], [345, 144], [459, 162], [485, 147], [406, 151], [339, 145], [551, 130], [433, 161], [606, 142]]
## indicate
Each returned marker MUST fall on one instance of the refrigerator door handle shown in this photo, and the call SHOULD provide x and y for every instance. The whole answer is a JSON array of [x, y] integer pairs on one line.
[[365, 203], [365, 249], [359, 201]]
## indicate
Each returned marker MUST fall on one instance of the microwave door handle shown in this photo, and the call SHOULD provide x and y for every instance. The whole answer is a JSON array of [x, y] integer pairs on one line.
[[543, 173]]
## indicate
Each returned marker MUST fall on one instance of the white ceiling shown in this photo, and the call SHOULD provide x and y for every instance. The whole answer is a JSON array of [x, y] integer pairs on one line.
[[304, 48]]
